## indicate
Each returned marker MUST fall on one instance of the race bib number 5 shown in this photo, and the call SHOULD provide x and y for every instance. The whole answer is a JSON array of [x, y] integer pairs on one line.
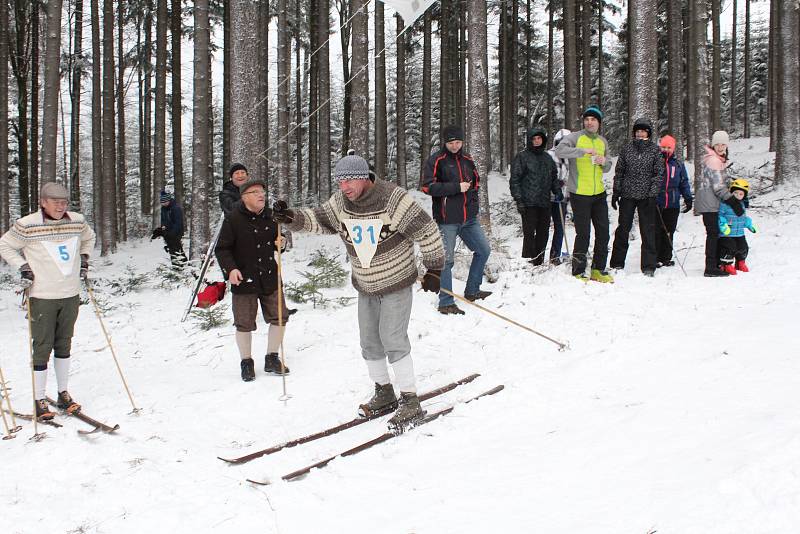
[[364, 233], [63, 254]]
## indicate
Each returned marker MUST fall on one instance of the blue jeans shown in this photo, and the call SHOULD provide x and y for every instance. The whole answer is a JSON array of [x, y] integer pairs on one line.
[[472, 235]]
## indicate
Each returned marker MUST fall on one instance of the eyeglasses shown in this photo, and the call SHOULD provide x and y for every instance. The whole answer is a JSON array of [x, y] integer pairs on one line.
[[260, 193]]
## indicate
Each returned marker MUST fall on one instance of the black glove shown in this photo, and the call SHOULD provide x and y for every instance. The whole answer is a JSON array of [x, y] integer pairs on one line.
[[735, 205], [281, 212], [84, 266], [688, 205], [431, 281], [614, 200], [26, 276], [157, 232]]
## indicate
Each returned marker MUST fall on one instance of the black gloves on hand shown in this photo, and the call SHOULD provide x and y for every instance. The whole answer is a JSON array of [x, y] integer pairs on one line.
[[735, 205], [688, 206], [157, 232], [26, 276], [281, 212], [84, 266], [614, 201], [431, 281]]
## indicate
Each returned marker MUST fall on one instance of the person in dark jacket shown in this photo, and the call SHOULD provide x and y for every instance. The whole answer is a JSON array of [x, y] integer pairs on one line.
[[245, 252], [172, 229], [450, 177], [533, 178], [674, 185], [637, 178], [229, 197]]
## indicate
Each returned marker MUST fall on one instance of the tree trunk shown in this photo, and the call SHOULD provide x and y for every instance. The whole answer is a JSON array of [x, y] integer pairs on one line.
[[643, 62], [36, 21], [298, 106], [478, 116], [675, 74], [732, 98], [243, 135], [381, 114], [260, 165], [716, 68], [176, 17], [359, 80], [427, 48], [698, 82], [787, 157], [122, 171], [344, 37], [600, 9], [586, 54], [201, 107], [772, 92], [324, 116], [550, 73], [75, 115], [746, 99], [315, 37], [147, 170], [571, 112], [97, 121], [227, 46], [5, 212], [400, 104], [160, 134], [283, 101], [108, 233]]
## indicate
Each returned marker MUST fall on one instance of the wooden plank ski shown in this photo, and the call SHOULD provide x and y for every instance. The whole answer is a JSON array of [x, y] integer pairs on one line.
[[344, 426], [86, 419], [28, 417], [380, 439]]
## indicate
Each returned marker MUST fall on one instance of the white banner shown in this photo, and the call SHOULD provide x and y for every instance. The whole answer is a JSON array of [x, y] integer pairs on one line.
[[410, 10], [63, 253], [365, 234]]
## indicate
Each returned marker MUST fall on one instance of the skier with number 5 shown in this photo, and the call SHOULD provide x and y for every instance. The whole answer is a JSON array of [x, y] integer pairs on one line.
[[379, 223], [51, 249]]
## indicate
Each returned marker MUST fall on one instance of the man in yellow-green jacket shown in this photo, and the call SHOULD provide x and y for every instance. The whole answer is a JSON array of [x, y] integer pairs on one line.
[[587, 153]]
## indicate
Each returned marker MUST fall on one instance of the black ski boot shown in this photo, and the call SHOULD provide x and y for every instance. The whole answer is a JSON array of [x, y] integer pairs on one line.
[[480, 295], [67, 403], [272, 365], [407, 414], [248, 370], [383, 401], [43, 412]]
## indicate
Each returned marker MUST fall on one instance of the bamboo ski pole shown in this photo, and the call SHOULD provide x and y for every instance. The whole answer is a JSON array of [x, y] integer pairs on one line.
[[14, 427], [669, 240], [564, 226], [285, 397], [110, 345], [36, 435]]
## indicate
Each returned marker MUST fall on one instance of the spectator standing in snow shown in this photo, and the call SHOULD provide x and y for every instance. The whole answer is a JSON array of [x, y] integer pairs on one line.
[[533, 179], [379, 223], [51, 249], [451, 178], [172, 229], [732, 243], [674, 185], [586, 151], [711, 188], [229, 197], [637, 178], [559, 208], [245, 252]]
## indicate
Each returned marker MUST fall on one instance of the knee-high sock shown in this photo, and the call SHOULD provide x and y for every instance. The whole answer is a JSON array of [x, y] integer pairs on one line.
[[39, 384], [404, 375], [274, 338], [244, 340], [62, 372], [378, 371]]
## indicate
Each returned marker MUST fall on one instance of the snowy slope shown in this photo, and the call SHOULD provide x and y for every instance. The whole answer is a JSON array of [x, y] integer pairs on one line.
[[675, 409]]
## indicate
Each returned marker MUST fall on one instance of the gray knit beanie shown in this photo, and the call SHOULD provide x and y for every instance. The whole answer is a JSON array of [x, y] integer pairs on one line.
[[351, 167]]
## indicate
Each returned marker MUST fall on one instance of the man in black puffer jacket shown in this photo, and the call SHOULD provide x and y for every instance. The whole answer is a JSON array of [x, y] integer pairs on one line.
[[637, 179], [533, 178]]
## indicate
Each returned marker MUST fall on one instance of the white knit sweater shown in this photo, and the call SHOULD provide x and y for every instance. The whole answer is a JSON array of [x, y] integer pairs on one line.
[[38, 242]]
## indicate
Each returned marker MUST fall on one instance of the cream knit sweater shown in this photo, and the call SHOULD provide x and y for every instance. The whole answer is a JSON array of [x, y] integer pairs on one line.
[[28, 242]]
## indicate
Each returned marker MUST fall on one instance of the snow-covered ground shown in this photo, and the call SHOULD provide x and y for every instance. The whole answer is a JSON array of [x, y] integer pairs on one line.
[[674, 411]]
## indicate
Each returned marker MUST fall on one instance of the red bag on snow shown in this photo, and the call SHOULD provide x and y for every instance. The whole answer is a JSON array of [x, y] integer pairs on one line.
[[213, 293]]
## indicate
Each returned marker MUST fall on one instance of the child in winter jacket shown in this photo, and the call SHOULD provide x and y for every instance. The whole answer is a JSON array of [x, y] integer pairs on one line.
[[732, 243]]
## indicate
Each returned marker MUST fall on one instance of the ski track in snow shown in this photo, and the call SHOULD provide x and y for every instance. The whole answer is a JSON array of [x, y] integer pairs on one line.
[[675, 410]]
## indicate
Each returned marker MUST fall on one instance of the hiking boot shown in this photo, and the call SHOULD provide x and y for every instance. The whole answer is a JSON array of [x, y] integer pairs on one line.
[[384, 400], [668, 263], [451, 309], [43, 412], [272, 365], [248, 370], [480, 295], [407, 413], [67, 403], [715, 273], [582, 277], [649, 272], [742, 266], [729, 268], [601, 276]]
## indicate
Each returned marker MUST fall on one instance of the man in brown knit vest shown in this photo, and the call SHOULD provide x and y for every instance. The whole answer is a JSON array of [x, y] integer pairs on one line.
[[379, 223]]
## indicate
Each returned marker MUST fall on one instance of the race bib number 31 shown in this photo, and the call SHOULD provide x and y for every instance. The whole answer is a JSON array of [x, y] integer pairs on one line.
[[364, 233], [63, 254]]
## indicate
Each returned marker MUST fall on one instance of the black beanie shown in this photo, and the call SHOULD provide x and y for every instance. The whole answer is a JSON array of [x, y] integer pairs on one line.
[[453, 133], [236, 167]]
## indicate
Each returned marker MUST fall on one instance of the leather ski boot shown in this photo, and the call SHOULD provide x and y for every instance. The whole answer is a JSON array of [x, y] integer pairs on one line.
[[272, 365], [67, 403], [408, 413], [384, 400], [43, 412]]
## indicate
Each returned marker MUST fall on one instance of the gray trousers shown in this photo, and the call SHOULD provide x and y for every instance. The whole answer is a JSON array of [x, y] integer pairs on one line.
[[52, 326], [383, 325]]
